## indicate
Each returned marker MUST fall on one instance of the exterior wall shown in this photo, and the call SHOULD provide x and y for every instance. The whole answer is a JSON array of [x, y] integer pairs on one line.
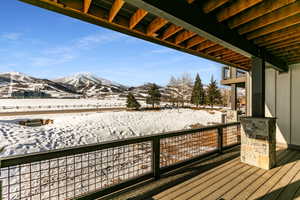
[[295, 104], [283, 102]]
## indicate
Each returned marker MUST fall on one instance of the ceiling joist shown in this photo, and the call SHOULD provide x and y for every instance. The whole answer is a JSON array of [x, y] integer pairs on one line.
[[194, 41], [256, 11], [137, 17], [271, 18], [117, 5], [182, 36], [171, 30], [155, 25]]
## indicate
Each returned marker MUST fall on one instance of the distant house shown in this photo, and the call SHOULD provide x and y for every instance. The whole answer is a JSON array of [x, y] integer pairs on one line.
[[29, 94]]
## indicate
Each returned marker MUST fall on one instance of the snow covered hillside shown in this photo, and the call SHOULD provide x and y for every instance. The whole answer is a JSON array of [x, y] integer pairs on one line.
[[91, 85], [87, 128], [12, 82]]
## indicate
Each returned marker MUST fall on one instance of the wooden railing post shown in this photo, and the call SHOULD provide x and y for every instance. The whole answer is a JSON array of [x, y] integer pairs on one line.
[[156, 157], [220, 140]]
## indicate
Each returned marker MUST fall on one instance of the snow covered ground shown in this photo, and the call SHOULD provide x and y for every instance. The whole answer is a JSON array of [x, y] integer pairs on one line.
[[86, 128]]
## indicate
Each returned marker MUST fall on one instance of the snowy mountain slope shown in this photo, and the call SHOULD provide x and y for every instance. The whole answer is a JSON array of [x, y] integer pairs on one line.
[[16, 82], [91, 85]]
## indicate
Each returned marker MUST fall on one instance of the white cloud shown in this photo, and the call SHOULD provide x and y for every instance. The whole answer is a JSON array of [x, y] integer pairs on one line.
[[162, 51], [68, 52], [11, 36]]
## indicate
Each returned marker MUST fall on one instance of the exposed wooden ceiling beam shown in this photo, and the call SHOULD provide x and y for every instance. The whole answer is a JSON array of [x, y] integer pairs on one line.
[[271, 18], [171, 30], [284, 43], [137, 17], [155, 25], [117, 5], [256, 11], [286, 50], [184, 35], [194, 41], [213, 49], [86, 5], [190, 17], [226, 57], [290, 21], [211, 5], [205, 45], [278, 37], [222, 52], [235, 8]]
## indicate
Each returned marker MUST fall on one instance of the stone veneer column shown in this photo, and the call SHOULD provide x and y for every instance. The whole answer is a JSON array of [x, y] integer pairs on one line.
[[258, 142]]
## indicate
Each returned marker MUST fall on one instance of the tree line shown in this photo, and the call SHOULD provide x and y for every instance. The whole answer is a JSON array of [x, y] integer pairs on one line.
[[182, 90]]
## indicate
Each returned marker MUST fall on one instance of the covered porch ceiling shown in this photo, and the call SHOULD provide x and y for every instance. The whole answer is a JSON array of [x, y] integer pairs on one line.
[[226, 31]]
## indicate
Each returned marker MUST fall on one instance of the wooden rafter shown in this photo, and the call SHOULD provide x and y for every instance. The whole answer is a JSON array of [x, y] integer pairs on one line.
[[205, 45], [137, 17], [235, 8], [86, 5], [271, 18], [117, 5], [284, 43], [290, 21], [213, 49], [155, 25], [277, 36], [171, 30], [213, 4], [259, 10], [184, 35], [194, 41], [222, 52]]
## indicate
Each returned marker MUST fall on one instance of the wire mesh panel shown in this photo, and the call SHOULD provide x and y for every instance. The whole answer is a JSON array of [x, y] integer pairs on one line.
[[180, 148], [231, 135], [70, 176]]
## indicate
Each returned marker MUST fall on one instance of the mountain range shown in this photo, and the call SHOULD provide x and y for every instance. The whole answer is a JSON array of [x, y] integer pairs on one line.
[[80, 85]]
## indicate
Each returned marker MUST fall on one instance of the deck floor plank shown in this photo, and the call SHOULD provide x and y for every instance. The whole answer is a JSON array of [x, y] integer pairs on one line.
[[168, 193], [210, 188], [232, 184], [251, 186], [200, 185], [290, 190], [270, 183], [188, 185], [284, 182]]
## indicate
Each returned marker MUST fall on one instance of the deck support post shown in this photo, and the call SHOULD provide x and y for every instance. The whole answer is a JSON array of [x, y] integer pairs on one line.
[[258, 87], [156, 157], [220, 140], [258, 134]]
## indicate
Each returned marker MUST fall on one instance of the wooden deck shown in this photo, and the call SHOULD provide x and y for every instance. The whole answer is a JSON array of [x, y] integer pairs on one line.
[[230, 179], [236, 180]]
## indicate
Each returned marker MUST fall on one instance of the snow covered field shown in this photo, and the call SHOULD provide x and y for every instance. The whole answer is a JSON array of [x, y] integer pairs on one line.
[[86, 128]]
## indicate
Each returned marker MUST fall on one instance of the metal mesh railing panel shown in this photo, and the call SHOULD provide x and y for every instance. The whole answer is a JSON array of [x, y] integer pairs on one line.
[[180, 148], [231, 135], [70, 176]]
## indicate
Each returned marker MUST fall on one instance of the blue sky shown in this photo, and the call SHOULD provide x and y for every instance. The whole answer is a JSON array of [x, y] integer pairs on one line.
[[49, 45]]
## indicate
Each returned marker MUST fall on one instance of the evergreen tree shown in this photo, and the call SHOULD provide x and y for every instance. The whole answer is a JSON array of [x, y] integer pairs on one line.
[[153, 95], [198, 93], [213, 93], [132, 102]]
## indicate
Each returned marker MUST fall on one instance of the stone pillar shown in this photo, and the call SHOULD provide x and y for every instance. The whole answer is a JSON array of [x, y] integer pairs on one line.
[[258, 142]]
